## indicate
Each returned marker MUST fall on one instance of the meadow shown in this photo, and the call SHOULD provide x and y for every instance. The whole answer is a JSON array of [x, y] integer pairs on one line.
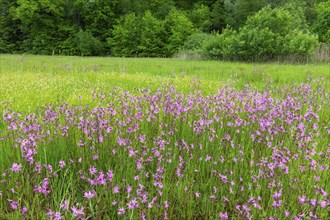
[[142, 138], [29, 81]]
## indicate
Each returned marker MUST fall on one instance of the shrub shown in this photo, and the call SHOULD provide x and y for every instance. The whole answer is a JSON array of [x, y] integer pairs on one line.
[[257, 44], [196, 42], [87, 44], [193, 47], [269, 34], [300, 44], [321, 25], [224, 46], [41, 43]]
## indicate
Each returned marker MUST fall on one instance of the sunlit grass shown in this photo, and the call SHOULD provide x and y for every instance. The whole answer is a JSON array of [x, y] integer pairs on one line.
[[28, 81]]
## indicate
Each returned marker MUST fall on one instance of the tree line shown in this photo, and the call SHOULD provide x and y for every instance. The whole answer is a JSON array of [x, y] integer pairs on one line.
[[223, 29]]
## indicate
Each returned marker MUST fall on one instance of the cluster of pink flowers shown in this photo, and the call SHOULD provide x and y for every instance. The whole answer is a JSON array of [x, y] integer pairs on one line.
[[234, 154]]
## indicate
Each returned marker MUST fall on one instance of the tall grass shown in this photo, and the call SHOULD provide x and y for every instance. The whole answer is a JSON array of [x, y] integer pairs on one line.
[[28, 81]]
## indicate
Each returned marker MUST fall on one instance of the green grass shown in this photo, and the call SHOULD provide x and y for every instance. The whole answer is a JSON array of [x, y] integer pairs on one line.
[[28, 81]]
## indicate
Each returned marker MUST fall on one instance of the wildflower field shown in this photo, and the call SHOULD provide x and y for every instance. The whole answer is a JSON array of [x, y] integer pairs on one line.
[[115, 138]]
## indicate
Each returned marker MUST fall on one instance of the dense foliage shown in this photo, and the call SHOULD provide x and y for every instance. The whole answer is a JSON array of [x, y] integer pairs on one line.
[[161, 28], [269, 34]]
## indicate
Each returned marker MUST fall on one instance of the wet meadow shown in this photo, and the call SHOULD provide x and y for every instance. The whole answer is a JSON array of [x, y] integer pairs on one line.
[[142, 138]]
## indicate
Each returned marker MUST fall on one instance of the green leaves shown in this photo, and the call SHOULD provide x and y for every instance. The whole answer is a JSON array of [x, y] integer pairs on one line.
[[321, 25], [299, 43], [152, 31], [148, 36], [126, 35], [178, 27], [96, 16], [269, 34], [200, 17], [87, 44], [40, 22], [157, 27]]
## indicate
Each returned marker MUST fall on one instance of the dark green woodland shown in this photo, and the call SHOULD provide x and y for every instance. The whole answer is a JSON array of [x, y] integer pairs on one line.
[[244, 30]]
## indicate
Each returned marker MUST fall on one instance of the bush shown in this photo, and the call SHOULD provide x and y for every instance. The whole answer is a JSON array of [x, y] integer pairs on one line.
[[214, 48], [193, 47], [196, 42], [321, 25], [278, 20], [41, 43], [87, 44], [269, 34], [299, 43], [224, 46], [257, 44]]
